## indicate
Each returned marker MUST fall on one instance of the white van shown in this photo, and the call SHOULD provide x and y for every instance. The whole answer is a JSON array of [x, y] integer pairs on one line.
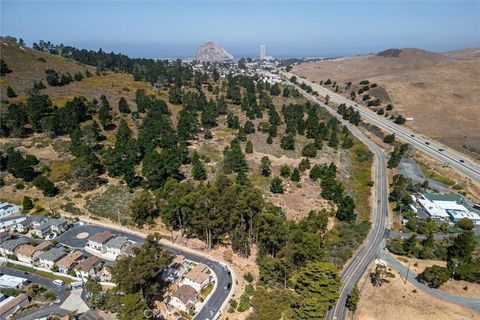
[[58, 282]]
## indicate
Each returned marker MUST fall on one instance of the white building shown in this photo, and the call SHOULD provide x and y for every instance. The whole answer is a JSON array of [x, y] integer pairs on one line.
[[7, 209], [12, 282], [262, 51], [446, 207], [198, 277]]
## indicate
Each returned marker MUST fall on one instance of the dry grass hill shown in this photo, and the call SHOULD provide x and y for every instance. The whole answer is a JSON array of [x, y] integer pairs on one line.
[[440, 91], [29, 65]]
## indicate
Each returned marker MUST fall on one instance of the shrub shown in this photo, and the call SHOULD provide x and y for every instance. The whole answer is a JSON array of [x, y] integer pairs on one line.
[[47, 186], [285, 171], [435, 276], [248, 276]]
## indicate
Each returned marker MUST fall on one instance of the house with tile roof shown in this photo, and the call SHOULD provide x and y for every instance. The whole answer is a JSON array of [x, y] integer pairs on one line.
[[70, 261], [198, 277], [184, 298], [29, 253], [98, 240]]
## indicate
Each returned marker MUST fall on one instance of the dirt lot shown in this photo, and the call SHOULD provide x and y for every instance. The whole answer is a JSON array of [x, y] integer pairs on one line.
[[458, 288], [430, 87], [399, 301]]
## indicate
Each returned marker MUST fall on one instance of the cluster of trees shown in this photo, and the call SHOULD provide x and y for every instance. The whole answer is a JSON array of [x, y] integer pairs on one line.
[[397, 155], [212, 211], [151, 70], [39, 115], [461, 263], [349, 114], [333, 190], [23, 167], [55, 79]]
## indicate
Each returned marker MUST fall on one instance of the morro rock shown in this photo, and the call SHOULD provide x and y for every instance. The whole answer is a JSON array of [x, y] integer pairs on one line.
[[212, 52]]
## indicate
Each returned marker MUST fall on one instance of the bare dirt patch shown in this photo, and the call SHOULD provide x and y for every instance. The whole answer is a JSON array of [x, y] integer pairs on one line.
[[398, 301]]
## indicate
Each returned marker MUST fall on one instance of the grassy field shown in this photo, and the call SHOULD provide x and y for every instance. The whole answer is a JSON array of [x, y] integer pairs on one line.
[[40, 273], [359, 169], [432, 174]]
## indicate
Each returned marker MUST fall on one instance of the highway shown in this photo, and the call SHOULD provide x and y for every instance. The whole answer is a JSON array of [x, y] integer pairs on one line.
[[459, 162], [355, 268]]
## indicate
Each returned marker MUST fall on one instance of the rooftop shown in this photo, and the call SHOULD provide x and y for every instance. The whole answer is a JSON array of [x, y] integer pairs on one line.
[[12, 303], [13, 217], [11, 244], [443, 197], [53, 254], [88, 263], [69, 259], [117, 242], [101, 237], [186, 294], [199, 273], [7, 281]]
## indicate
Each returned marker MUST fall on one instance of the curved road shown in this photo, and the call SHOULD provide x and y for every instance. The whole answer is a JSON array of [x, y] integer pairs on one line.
[[456, 160], [223, 275], [352, 273]]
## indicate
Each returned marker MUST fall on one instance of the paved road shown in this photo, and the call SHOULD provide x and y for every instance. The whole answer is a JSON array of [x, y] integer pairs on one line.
[[223, 275], [352, 273], [468, 168], [61, 292], [471, 303]]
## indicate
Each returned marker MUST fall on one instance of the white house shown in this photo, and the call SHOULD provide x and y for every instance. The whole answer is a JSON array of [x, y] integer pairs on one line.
[[197, 277], [115, 246], [11, 220], [184, 299], [7, 209], [98, 240], [49, 258]]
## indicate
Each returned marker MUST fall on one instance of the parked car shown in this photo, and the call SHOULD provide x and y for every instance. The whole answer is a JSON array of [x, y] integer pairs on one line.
[[58, 282]]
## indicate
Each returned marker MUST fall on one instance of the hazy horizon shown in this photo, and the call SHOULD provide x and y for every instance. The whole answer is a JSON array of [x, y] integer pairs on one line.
[[170, 29]]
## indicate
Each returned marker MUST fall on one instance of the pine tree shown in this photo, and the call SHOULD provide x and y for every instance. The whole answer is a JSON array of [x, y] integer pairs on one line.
[[10, 92], [198, 171], [295, 177], [27, 203], [249, 147], [276, 186], [265, 167], [123, 106]]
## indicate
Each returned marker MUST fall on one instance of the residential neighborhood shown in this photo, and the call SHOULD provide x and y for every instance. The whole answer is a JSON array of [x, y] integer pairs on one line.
[[76, 252]]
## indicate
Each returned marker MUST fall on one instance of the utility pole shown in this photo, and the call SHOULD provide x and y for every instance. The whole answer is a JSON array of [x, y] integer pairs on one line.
[[455, 265], [408, 271]]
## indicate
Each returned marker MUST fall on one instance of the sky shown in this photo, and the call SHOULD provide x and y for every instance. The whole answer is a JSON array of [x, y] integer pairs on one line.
[[164, 29]]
